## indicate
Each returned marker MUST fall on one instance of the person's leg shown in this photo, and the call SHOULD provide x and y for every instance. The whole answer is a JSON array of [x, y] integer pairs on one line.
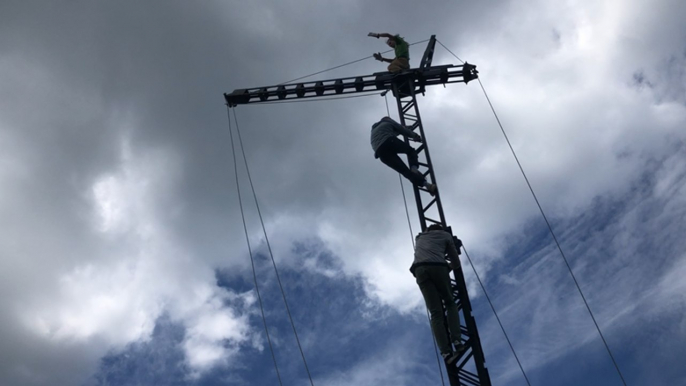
[[395, 66], [399, 64], [395, 163], [388, 154], [417, 178], [441, 279], [433, 304], [400, 147], [413, 158]]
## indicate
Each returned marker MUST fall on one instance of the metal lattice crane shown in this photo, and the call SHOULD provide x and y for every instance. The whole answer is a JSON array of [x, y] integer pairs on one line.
[[470, 368]]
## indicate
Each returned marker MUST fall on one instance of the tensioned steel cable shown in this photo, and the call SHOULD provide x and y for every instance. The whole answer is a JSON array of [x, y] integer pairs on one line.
[[409, 224], [271, 254], [483, 288], [346, 64], [550, 228], [439, 42], [402, 188], [247, 239]]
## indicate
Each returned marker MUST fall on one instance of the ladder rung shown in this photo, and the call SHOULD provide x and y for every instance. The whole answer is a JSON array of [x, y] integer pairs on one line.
[[432, 220], [429, 205], [469, 377], [467, 355]]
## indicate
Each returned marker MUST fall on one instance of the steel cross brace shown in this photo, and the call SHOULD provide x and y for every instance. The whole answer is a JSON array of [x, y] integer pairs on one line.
[[405, 89]]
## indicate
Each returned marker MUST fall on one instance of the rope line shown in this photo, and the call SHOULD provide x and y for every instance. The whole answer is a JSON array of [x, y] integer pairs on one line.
[[483, 287], [402, 188], [496, 315], [552, 233], [247, 239], [271, 254], [439, 42], [550, 228], [346, 64], [409, 224]]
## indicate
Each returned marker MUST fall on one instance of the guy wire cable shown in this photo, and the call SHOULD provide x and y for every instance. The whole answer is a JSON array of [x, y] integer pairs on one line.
[[271, 254], [409, 224], [346, 64], [550, 228], [247, 239]]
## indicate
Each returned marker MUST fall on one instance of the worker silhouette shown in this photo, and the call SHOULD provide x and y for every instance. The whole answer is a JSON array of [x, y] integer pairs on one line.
[[431, 270], [402, 52], [387, 146]]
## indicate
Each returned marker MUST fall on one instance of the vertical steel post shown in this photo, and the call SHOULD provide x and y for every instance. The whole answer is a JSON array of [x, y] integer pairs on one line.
[[404, 90]]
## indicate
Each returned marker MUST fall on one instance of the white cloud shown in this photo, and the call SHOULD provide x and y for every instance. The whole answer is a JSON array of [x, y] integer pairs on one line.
[[103, 236], [138, 274], [396, 364], [628, 279], [214, 333]]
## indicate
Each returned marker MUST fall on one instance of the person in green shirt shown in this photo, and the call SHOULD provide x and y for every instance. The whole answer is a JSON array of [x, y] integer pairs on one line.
[[402, 52]]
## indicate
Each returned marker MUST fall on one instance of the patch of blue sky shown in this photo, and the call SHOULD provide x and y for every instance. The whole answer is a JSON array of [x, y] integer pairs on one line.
[[621, 249]]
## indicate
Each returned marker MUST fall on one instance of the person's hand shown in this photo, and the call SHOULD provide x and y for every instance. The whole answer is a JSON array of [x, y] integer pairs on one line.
[[373, 34], [378, 57], [418, 138]]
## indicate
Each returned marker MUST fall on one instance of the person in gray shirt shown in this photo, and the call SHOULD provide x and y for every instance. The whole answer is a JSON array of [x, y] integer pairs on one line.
[[431, 270], [387, 146]]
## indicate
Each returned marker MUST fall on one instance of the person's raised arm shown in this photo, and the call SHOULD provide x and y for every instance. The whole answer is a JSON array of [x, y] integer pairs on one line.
[[380, 35]]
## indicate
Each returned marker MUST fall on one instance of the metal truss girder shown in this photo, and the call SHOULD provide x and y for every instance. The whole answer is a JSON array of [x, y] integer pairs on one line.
[[405, 89], [355, 84], [428, 53], [468, 378]]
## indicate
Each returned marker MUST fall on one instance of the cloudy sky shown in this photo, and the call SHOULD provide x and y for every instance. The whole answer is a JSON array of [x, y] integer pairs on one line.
[[123, 259]]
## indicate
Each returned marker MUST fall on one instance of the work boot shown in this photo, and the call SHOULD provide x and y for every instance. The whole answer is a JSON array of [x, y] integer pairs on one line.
[[459, 348], [450, 358], [432, 188]]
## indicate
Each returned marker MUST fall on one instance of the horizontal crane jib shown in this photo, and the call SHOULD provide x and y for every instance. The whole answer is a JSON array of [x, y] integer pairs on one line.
[[368, 83]]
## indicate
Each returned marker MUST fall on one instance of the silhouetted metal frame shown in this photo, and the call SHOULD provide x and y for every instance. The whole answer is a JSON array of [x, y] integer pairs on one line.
[[404, 90], [379, 81], [405, 86], [428, 56]]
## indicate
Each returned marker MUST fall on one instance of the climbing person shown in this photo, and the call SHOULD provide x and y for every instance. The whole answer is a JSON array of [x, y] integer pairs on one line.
[[402, 52], [387, 146], [431, 270]]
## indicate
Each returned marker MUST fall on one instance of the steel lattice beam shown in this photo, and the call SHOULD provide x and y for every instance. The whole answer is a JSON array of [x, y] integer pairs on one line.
[[350, 85], [404, 90]]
